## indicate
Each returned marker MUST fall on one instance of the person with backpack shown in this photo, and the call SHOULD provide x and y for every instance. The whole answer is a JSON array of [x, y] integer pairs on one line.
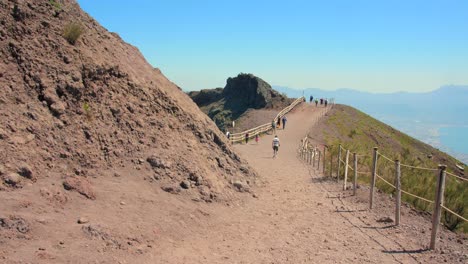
[[275, 144], [273, 126], [246, 138], [284, 122]]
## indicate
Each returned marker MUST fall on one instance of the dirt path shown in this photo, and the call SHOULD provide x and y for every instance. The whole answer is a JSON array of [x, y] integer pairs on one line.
[[297, 218]]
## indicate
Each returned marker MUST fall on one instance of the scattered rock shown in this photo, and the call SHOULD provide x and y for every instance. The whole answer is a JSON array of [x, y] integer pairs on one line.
[[385, 219], [13, 179], [195, 177], [15, 222], [156, 162], [82, 220], [81, 185], [57, 108], [185, 184], [241, 186], [25, 171], [3, 134], [171, 189], [122, 203]]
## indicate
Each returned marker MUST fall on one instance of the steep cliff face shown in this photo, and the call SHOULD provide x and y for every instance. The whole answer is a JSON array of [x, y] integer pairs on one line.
[[248, 91], [241, 93], [85, 118]]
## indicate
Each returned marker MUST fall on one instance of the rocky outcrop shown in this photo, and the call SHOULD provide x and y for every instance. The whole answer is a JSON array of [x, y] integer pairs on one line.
[[246, 91]]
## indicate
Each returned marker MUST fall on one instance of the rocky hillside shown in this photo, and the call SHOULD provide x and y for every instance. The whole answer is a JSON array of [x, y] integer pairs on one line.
[[240, 94], [87, 123]]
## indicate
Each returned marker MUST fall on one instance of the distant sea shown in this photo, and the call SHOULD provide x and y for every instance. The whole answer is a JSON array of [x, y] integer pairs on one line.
[[455, 139], [450, 138]]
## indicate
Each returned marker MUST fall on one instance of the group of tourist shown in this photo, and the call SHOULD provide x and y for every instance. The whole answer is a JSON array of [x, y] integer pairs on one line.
[[321, 100]]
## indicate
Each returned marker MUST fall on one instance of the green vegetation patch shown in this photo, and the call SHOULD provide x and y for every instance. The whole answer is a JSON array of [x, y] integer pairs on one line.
[[360, 133]]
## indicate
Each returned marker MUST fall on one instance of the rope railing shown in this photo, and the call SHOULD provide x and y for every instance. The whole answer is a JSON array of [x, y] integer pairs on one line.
[[239, 137], [452, 212], [367, 173], [393, 168], [418, 168], [380, 177], [415, 196], [458, 177]]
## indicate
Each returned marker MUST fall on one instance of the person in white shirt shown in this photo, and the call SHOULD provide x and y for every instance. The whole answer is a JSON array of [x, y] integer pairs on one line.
[[275, 144]]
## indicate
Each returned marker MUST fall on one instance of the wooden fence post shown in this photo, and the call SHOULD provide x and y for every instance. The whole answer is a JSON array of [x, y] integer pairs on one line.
[[355, 174], [324, 152], [398, 192], [318, 162], [339, 162], [438, 205], [374, 172], [346, 170], [314, 158]]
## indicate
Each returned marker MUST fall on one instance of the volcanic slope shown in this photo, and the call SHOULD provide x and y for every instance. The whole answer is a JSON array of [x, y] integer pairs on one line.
[[91, 132]]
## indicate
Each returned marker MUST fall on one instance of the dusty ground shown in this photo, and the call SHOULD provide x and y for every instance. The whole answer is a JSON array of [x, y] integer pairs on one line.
[[301, 217]]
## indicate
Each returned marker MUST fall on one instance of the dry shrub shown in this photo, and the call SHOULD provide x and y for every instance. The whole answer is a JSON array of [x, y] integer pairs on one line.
[[72, 32]]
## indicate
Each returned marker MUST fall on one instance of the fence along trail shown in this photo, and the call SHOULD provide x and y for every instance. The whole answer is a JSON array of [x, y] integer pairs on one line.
[[295, 218]]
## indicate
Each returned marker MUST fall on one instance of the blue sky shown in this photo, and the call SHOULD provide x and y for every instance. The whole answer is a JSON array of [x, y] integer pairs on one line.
[[378, 46]]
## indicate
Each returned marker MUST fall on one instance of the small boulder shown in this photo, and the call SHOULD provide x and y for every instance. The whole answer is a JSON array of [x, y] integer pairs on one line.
[[241, 186], [25, 171], [385, 219], [195, 178], [185, 184], [58, 108], [157, 162], [81, 185], [82, 220], [3, 134], [171, 189], [13, 179]]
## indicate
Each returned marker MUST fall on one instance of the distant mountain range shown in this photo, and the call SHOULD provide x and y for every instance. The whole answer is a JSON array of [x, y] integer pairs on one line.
[[421, 115]]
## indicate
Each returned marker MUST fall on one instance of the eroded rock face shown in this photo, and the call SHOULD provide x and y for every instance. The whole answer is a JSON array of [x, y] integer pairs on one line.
[[246, 91]]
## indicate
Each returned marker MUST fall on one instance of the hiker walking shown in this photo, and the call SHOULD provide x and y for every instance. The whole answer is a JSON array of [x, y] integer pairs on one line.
[[228, 135], [273, 126], [316, 102], [256, 138], [246, 138], [278, 124], [275, 144], [284, 122], [311, 99], [326, 102]]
